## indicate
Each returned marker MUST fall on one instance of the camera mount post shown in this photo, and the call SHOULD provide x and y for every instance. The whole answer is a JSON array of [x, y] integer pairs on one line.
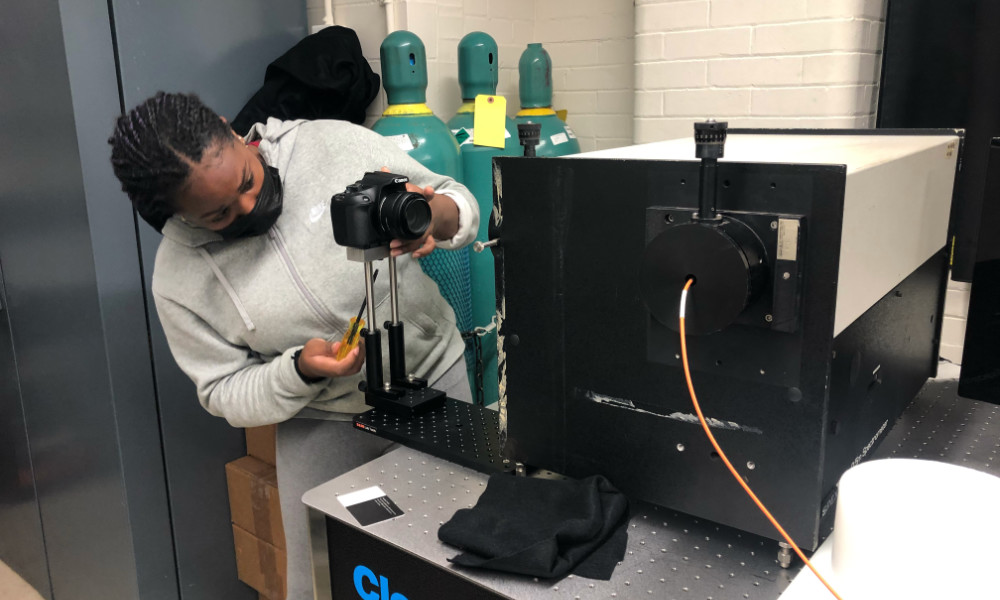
[[373, 337], [397, 348], [397, 357]]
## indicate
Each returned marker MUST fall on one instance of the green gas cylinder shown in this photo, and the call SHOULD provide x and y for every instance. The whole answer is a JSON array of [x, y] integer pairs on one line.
[[407, 119], [413, 126], [478, 73], [535, 70]]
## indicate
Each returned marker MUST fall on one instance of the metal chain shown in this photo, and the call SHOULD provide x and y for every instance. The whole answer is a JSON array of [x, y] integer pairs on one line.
[[477, 343], [477, 335]]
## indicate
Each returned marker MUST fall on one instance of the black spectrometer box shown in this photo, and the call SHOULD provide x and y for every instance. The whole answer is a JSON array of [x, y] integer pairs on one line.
[[814, 321]]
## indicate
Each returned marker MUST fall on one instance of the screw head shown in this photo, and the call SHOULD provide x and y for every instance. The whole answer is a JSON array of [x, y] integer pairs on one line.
[[768, 318], [786, 275], [774, 224]]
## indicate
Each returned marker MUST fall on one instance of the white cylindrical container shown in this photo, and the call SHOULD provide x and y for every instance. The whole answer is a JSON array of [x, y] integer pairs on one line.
[[916, 529]]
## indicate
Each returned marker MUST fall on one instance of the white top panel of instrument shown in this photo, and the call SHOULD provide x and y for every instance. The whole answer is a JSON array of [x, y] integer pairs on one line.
[[857, 152]]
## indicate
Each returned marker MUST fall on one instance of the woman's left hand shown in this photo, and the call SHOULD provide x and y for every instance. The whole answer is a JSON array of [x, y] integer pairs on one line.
[[425, 244], [444, 223]]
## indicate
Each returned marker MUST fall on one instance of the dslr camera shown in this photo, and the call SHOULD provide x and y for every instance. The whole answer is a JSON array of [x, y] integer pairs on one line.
[[376, 210]]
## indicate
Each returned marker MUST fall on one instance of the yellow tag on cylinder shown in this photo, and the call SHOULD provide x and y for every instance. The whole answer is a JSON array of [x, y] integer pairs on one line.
[[488, 121]]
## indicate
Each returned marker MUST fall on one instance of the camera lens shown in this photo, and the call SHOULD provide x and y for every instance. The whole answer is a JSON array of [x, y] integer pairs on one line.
[[404, 215]]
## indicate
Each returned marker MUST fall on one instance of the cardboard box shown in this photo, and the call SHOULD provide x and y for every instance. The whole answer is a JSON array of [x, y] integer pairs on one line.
[[253, 499], [260, 443], [259, 564]]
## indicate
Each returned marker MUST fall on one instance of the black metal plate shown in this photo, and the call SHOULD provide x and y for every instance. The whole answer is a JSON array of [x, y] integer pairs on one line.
[[761, 311], [463, 433], [722, 353], [572, 236], [875, 373], [413, 403]]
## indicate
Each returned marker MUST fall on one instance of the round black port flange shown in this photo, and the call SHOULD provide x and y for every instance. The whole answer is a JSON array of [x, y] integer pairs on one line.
[[725, 258]]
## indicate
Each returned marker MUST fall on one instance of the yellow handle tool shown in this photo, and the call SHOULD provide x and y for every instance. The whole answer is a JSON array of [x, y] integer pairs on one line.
[[351, 338]]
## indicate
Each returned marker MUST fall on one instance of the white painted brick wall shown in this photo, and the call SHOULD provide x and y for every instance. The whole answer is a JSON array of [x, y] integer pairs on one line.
[[765, 63], [956, 311], [755, 63], [591, 43]]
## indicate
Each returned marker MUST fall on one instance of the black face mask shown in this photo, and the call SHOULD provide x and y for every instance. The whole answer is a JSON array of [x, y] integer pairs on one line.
[[265, 212]]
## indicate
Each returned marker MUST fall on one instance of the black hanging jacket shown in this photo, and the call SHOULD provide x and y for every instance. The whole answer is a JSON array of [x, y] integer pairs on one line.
[[324, 76]]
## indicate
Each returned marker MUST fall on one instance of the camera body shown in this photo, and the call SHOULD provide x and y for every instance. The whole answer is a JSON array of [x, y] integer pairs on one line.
[[377, 209]]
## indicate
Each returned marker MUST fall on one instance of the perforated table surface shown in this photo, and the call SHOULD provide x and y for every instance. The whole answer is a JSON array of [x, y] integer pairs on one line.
[[670, 554]]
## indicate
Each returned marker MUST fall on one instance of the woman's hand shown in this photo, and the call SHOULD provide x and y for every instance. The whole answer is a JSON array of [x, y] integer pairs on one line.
[[319, 359], [444, 223], [423, 245]]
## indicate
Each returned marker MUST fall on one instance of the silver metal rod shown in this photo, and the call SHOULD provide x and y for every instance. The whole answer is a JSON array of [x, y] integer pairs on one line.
[[393, 301], [370, 295], [480, 246]]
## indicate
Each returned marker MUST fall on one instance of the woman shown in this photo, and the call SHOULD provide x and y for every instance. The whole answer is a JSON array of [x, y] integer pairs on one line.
[[253, 292]]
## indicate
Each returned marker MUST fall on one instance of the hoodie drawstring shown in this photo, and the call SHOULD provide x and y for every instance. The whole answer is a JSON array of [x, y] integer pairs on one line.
[[229, 289]]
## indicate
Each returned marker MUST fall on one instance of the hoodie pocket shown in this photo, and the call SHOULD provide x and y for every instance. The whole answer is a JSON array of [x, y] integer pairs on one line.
[[428, 326]]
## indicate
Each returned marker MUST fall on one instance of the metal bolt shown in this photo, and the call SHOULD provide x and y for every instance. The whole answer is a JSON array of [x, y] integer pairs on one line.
[[774, 224], [680, 447], [480, 246], [786, 275], [768, 318], [784, 555], [751, 465]]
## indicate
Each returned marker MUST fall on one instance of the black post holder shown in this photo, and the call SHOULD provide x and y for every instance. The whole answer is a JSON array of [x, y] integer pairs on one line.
[[404, 395]]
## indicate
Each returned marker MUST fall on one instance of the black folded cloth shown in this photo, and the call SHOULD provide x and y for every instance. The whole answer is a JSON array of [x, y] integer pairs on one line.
[[542, 527], [323, 76]]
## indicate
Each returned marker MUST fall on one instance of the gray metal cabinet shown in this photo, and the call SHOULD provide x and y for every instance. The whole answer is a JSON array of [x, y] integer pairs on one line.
[[111, 475]]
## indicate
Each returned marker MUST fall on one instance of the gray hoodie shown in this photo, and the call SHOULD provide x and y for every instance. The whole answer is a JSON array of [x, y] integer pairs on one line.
[[236, 311]]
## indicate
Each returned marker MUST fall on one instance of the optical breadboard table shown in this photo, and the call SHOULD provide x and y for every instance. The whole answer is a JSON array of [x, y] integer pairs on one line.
[[670, 555]]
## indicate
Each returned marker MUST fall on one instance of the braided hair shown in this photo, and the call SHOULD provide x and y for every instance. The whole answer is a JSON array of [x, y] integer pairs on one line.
[[154, 145]]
